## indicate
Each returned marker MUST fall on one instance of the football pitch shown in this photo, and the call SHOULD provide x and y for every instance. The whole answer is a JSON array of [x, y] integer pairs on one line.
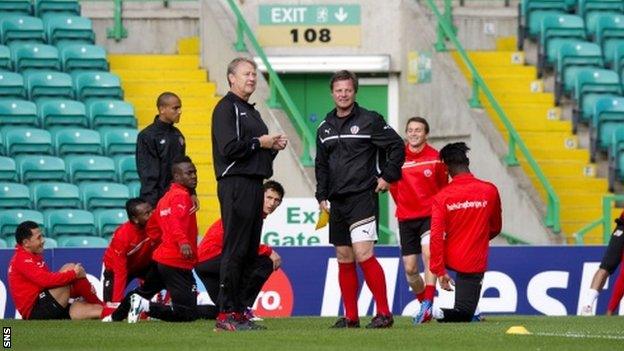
[[313, 333]]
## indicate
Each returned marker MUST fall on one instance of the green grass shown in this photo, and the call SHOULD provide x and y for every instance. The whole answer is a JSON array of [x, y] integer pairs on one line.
[[313, 334]]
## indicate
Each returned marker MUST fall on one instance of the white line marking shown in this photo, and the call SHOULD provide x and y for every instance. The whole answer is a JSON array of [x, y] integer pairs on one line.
[[575, 335]]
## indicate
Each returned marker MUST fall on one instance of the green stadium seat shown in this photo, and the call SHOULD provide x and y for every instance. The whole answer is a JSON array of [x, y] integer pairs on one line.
[[26, 140], [71, 140], [40, 168], [134, 188], [21, 27], [65, 6], [84, 241], [60, 27], [556, 31], [50, 243], [3, 244], [97, 85], [10, 241], [8, 169], [14, 195], [5, 58], [83, 57], [608, 116], [12, 85], [590, 82], [107, 112], [69, 222], [18, 7], [618, 58], [90, 168], [61, 112], [531, 12], [589, 104], [35, 56], [18, 112], [591, 10], [616, 158], [118, 141], [48, 83], [103, 195], [609, 35], [571, 57], [54, 195], [10, 219], [107, 221], [126, 168]]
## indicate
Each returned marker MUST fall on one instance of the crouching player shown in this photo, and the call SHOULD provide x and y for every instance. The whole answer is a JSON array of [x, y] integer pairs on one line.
[[129, 253], [266, 261], [465, 216], [39, 293]]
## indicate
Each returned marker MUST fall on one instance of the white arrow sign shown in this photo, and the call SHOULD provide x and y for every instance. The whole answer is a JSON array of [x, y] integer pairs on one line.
[[341, 15]]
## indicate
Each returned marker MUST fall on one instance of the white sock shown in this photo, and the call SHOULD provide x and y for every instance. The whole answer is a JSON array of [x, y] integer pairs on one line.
[[590, 296], [145, 305], [437, 313]]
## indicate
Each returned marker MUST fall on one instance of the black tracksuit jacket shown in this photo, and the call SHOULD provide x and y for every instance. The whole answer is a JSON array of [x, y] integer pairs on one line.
[[349, 159], [236, 126], [158, 145]]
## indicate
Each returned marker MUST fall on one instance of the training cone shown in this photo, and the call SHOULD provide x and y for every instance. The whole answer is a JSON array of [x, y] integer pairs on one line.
[[518, 329]]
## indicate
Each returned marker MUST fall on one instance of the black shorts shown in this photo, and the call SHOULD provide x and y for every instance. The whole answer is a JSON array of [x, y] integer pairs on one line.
[[410, 232], [353, 218], [46, 307], [613, 255]]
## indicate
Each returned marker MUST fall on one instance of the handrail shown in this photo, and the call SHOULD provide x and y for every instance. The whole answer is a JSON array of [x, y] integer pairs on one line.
[[605, 220], [276, 86], [118, 31], [445, 29], [513, 240]]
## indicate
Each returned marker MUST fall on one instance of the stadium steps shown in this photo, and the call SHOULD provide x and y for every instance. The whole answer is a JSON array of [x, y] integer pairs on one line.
[[549, 138], [144, 77]]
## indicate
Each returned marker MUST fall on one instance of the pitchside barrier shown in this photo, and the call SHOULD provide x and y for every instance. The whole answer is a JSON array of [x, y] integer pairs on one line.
[[524, 280]]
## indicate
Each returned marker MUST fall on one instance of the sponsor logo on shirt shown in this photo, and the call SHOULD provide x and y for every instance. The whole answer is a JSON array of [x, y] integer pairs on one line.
[[427, 173], [165, 212], [354, 129], [467, 204], [327, 131]]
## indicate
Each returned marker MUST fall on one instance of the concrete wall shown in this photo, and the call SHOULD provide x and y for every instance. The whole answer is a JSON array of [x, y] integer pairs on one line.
[[152, 28]]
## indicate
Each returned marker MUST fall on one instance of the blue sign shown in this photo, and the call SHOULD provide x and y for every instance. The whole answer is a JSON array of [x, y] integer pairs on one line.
[[520, 280]]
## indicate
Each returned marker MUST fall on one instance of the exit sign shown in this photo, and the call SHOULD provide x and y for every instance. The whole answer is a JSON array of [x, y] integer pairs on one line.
[[309, 25]]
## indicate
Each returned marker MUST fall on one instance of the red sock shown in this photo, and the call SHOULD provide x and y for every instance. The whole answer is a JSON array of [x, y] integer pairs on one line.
[[420, 296], [106, 311], [348, 281], [376, 281], [618, 292], [82, 288], [429, 292]]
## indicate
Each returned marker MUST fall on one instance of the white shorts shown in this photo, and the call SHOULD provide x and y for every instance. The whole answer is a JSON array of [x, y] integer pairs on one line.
[[366, 231]]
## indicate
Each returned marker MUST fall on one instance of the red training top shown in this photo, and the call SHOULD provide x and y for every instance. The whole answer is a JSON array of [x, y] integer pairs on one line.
[[422, 176], [466, 214], [129, 252], [212, 244], [29, 276], [178, 226]]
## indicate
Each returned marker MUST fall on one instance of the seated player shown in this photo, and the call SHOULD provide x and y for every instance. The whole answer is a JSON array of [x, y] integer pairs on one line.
[[608, 265], [129, 253], [39, 293], [209, 256]]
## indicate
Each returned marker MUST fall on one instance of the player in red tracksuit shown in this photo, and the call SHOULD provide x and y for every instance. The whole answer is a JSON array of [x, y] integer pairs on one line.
[[209, 257], [39, 293], [129, 253], [465, 216], [422, 176], [175, 256]]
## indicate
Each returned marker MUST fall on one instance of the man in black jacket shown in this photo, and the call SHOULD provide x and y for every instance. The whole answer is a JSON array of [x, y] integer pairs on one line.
[[350, 143], [243, 154], [157, 146]]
